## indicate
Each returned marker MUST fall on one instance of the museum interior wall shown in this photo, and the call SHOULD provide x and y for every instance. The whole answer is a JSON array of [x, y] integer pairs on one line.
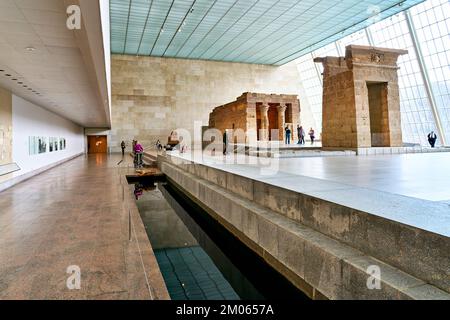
[[31, 129], [152, 96], [31, 120], [5, 126]]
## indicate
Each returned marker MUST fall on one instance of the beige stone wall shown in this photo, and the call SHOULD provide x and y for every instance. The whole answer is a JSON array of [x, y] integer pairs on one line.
[[152, 96], [339, 114], [229, 116], [5, 126]]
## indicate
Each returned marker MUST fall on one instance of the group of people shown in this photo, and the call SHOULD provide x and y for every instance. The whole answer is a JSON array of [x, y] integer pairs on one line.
[[174, 143], [138, 150], [300, 135]]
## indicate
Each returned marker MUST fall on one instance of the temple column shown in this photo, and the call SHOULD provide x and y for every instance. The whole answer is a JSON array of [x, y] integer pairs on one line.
[[264, 122], [282, 121]]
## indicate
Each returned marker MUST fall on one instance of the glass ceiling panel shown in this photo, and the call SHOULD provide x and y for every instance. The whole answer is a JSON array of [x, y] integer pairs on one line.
[[252, 31]]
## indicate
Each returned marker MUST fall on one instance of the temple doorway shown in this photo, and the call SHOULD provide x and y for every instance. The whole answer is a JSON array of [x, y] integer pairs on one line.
[[378, 112], [273, 123]]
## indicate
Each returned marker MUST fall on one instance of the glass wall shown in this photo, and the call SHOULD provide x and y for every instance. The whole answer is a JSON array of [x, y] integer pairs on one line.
[[431, 22]]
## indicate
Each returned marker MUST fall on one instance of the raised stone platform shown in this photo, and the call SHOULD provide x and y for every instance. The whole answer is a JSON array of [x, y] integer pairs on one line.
[[323, 235], [399, 150], [277, 150]]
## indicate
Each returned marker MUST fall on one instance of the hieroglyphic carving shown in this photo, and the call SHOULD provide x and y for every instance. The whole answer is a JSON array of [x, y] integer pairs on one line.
[[376, 57]]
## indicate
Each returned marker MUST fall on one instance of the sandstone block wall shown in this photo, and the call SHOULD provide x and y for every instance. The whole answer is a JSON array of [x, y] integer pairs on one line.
[[230, 116], [152, 96]]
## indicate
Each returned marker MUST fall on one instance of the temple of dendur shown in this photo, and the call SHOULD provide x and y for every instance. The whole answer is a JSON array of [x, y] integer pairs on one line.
[[262, 116]]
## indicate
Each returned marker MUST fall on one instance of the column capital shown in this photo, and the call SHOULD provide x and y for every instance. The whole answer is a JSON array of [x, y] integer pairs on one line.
[[264, 108], [282, 108]]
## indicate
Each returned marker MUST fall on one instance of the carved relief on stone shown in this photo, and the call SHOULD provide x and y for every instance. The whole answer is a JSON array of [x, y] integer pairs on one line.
[[377, 57]]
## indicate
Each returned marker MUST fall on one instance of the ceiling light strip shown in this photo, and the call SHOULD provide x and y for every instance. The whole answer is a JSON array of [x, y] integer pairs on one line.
[[162, 27], [260, 30], [355, 25], [243, 31], [283, 26], [309, 46], [313, 18], [211, 29], [187, 39], [128, 23], [145, 26], [179, 27], [231, 26]]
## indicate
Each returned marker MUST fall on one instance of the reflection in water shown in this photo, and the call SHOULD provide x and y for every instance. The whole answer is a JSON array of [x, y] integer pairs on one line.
[[200, 259], [139, 189], [193, 267]]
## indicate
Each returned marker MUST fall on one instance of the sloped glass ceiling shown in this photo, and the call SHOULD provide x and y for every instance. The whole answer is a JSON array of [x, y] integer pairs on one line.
[[270, 32]]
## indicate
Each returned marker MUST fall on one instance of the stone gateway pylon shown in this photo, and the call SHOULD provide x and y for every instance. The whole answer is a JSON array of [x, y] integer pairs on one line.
[[361, 103]]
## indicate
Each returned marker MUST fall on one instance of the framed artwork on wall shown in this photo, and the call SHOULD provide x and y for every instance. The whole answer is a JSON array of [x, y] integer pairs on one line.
[[62, 143], [37, 145]]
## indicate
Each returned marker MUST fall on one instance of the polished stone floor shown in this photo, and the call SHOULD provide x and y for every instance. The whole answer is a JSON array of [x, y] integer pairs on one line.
[[425, 176], [72, 215], [418, 175]]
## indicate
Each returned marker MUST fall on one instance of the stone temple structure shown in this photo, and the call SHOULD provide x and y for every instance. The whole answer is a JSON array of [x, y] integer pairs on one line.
[[264, 114], [361, 107]]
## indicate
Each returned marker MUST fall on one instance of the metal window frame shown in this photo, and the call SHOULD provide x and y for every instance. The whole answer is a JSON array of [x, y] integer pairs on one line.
[[425, 77]]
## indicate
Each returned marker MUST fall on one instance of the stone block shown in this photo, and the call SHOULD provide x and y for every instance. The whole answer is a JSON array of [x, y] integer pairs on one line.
[[240, 185], [291, 249], [359, 280], [268, 236], [400, 246], [326, 217], [250, 223], [279, 200], [217, 177]]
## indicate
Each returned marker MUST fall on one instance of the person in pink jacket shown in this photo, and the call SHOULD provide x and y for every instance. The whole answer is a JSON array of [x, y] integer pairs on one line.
[[138, 151]]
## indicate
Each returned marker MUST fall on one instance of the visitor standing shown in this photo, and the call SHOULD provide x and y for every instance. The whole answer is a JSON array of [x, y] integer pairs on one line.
[[288, 135], [225, 143], [312, 135], [301, 134], [159, 145], [138, 152], [432, 137], [123, 146]]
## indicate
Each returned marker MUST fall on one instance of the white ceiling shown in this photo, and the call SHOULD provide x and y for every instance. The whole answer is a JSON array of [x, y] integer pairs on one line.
[[65, 70]]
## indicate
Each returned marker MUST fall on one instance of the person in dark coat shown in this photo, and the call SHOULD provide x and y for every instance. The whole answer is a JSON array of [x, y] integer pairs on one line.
[[300, 134], [432, 137], [123, 146], [225, 143], [312, 135], [288, 135]]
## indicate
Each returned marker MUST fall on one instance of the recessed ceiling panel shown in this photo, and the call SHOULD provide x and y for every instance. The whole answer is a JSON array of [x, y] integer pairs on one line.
[[270, 32]]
